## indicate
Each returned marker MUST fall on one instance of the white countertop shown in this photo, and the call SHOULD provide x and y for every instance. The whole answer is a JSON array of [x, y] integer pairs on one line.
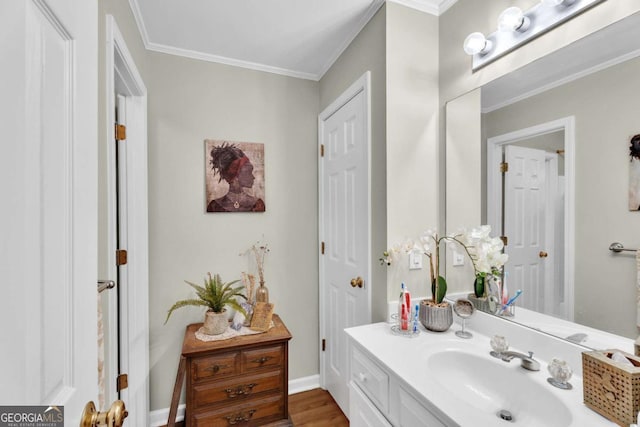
[[407, 359]]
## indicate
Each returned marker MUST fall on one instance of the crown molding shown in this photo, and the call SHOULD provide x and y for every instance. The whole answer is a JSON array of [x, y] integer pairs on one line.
[[375, 6], [156, 47], [433, 7]]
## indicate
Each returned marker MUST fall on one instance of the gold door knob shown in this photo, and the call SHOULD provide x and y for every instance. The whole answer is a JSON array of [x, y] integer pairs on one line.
[[357, 282], [114, 417], [543, 254]]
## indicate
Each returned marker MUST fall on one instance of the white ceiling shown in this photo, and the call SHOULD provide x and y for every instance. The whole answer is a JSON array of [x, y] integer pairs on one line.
[[300, 38]]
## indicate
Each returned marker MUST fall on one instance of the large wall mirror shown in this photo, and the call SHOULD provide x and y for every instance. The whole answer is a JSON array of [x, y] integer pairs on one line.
[[563, 123]]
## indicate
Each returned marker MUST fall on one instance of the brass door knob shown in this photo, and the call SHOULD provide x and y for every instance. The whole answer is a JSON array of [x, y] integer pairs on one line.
[[357, 282], [543, 254], [114, 417]]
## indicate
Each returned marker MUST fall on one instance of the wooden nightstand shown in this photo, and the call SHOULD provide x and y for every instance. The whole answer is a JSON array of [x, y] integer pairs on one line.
[[239, 381]]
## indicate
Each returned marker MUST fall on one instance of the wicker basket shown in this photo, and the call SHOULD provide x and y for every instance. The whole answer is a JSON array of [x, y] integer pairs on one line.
[[610, 388]]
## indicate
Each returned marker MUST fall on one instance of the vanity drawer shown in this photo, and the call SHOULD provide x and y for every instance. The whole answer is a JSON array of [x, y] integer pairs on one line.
[[255, 360], [237, 389], [249, 414], [371, 379], [214, 367]]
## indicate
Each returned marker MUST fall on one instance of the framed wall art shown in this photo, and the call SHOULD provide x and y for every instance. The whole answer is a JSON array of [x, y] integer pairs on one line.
[[234, 176]]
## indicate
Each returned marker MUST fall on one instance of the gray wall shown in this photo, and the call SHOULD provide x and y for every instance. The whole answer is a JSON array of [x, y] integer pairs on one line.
[[368, 53], [190, 100], [606, 115], [412, 138]]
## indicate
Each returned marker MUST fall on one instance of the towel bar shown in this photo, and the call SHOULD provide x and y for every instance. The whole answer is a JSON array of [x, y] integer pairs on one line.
[[103, 285]]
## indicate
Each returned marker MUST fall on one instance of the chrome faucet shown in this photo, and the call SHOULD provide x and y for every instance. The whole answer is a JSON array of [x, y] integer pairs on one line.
[[528, 362]]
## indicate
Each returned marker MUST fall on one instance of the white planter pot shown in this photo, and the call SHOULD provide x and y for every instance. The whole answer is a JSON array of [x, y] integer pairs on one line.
[[215, 323]]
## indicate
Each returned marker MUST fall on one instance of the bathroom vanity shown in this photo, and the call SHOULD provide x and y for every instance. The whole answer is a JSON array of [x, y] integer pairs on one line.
[[438, 379]]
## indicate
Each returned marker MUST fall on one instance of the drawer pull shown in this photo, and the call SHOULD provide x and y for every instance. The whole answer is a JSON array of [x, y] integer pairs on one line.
[[262, 360], [362, 377], [240, 417], [242, 390], [216, 368]]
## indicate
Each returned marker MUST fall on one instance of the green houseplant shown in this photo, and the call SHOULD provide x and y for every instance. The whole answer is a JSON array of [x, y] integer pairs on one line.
[[216, 295]]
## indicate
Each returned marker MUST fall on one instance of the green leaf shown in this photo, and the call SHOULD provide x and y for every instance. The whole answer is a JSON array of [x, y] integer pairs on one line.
[[441, 291], [184, 303]]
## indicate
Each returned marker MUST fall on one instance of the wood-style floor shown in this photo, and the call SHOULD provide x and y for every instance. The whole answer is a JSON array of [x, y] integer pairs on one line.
[[313, 408]]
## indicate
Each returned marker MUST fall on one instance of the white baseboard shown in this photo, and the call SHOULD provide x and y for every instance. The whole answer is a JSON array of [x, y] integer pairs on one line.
[[159, 417], [304, 384]]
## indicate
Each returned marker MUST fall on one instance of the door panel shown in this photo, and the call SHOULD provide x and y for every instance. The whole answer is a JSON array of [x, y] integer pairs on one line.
[[49, 180], [525, 223], [345, 219]]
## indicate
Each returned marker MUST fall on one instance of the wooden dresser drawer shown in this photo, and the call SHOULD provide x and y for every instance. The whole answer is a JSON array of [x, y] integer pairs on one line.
[[248, 414], [214, 367], [254, 360], [234, 390]]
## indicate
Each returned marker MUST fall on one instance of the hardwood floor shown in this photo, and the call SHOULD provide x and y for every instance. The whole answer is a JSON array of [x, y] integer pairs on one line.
[[313, 408]]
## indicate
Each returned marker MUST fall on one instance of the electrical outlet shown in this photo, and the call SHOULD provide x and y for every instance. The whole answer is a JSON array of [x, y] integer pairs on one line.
[[458, 259], [415, 260]]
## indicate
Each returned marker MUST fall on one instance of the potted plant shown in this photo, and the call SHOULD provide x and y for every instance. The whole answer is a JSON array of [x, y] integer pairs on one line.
[[485, 253], [487, 257], [216, 295], [435, 314]]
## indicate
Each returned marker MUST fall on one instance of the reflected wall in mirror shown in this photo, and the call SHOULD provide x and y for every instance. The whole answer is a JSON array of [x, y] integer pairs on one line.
[[596, 82]]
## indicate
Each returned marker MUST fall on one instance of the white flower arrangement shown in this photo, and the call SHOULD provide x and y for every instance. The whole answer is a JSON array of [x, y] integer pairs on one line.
[[485, 252]]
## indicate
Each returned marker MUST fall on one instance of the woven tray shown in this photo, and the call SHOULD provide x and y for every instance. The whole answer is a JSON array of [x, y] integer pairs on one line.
[[610, 388]]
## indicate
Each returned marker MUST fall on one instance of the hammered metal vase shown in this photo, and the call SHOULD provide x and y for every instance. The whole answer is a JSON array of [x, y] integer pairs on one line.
[[435, 318]]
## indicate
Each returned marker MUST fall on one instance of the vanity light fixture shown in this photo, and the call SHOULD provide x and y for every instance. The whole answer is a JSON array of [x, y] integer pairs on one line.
[[559, 2], [517, 27]]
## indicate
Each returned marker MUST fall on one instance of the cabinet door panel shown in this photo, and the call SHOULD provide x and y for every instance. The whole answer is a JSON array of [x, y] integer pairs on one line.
[[413, 414]]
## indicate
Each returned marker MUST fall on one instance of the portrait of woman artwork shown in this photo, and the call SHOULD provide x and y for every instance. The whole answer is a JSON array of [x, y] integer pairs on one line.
[[234, 176]]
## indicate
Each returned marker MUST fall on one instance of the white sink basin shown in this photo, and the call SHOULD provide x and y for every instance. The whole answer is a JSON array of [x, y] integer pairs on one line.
[[491, 385]]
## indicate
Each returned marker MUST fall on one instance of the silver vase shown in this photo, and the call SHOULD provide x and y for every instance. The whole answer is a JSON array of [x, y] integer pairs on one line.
[[436, 318]]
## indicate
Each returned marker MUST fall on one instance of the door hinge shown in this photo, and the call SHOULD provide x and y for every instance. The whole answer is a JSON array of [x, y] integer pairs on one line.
[[122, 382], [504, 239], [121, 132], [121, 257], [324, 344], [504, 167], [322, 248], [321, 150]]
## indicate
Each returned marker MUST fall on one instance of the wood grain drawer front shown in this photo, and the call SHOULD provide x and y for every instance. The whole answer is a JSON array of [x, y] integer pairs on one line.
[[244, 415], [237, 389], [253, 360], [371, 379], [217, 366]]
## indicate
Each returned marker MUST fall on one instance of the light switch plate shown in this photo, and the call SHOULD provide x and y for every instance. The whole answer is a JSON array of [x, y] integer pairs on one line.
[[415, 260], [458, 259]]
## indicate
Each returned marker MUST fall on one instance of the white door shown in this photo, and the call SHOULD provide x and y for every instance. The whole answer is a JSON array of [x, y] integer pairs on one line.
[[344, 230], [48, 223], [524, 224]]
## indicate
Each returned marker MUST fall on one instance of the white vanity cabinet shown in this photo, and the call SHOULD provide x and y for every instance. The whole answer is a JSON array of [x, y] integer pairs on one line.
[[378, 398]]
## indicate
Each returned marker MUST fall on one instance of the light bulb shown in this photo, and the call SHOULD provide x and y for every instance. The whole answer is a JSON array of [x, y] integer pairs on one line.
[[513, 19], [477, 43]]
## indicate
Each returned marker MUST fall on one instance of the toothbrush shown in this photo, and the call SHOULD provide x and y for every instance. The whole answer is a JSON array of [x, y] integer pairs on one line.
[[511, 301], [415, 320]]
